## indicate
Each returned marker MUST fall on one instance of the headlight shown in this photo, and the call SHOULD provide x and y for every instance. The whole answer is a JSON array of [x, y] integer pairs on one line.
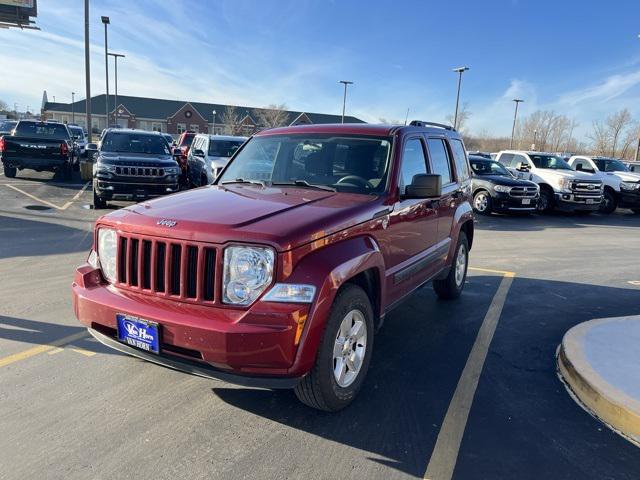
[[502, 188], [564, 184], [172, 170], [248, 271], [107, 253], [287, 292], [93, 259], [629, 186], [103, 167]]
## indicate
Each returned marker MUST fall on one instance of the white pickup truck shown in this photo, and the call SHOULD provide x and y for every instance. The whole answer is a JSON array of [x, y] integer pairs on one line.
[[561, 187], [621, 186]]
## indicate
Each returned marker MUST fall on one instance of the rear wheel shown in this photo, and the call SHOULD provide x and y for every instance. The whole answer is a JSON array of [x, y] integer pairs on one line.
[[343, 355], [482, 202], [451, 287], [609, 202], [10, 172]]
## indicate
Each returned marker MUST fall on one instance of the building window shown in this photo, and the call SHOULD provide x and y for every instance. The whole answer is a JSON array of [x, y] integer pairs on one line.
[[156, 127], [64, 118], [182, 127], [194, 127]]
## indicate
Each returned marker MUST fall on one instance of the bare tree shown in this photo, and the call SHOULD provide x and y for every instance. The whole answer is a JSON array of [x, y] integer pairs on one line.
[[617, 124], [600, 137], [3, 106], [271, 116], [630, 141], [231, 120], [463, 116]]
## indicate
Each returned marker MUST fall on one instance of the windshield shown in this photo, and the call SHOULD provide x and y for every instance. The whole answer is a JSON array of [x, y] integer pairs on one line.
[[134, 143], [7, 126], [610, 165], [77, 132], [549, 161], [55, 131], [488, 167], [187, 140], [344, 163], [224, 148]]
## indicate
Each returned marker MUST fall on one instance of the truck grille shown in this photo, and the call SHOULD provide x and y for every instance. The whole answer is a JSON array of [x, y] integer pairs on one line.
[[586, 188], [524, 192], [133, 171], [170, 268]]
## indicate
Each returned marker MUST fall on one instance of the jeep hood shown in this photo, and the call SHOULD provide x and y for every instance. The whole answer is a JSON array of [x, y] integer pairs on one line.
[[284, 217]]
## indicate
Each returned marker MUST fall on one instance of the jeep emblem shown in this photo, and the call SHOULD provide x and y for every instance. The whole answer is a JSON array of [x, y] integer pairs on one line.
[[166, 223]]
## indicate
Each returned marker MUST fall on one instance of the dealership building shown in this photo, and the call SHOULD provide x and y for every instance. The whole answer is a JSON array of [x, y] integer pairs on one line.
[[172, 116]]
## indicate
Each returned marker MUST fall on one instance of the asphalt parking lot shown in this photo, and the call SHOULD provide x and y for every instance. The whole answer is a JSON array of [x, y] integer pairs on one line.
[[73, 409]]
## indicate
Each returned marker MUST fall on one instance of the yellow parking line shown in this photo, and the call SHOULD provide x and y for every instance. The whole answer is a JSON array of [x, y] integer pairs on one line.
[[84, 352], [445, 453], [52, 205], [504, 273], [16, 357], [75, 197]]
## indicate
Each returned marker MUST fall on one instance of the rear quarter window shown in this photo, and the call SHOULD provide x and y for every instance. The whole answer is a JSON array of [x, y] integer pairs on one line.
[[460, 159]]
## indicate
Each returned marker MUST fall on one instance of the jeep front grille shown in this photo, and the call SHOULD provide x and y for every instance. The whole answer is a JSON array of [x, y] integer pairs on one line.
[[170, 268], [133, 171]]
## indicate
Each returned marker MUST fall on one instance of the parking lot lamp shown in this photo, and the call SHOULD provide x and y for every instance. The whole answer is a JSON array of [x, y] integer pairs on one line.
[[344, 98], [87, 69], [459, 71], [213, 125], [115, 57], [515, 116], [535, 140], [105, 21], [73, 107]]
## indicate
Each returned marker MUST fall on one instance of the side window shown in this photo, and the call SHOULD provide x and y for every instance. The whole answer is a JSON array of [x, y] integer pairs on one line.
[[505, 159], [440, 159], [460, 157], [519, 159], [413, 162]]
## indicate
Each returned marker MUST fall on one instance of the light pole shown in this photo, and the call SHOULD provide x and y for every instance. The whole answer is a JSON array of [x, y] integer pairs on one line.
[[87, 75], [535, 139], [344, 99], [459, 71], [73, 107], [106, 22], [115, 57], [515, 116], [213, 125]]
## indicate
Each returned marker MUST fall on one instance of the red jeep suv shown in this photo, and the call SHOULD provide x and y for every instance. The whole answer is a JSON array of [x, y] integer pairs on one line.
[[278, 274]]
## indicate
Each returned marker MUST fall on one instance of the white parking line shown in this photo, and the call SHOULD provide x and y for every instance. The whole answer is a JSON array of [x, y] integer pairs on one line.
[[45, 202], [445, 453]]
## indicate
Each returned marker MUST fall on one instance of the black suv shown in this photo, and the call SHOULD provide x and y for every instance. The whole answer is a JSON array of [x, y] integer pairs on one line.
[[133, 165], [495, 189]]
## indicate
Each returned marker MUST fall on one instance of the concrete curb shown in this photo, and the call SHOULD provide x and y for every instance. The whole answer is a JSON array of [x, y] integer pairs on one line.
[[618, 410]]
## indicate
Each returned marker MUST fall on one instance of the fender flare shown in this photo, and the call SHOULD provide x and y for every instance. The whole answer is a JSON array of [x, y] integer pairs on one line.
[[329, 268]]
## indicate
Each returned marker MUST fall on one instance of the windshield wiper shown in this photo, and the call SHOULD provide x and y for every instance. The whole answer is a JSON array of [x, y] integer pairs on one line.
[[304, 183], [242, 180]]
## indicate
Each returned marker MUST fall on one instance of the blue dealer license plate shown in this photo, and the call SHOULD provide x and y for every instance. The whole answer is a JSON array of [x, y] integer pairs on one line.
[[139, 333]]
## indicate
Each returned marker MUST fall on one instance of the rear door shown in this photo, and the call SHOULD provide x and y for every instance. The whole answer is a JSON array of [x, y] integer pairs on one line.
[[442, 164]]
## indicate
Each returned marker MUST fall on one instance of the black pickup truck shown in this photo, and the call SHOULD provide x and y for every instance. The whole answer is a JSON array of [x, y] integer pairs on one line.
[[39, 146]]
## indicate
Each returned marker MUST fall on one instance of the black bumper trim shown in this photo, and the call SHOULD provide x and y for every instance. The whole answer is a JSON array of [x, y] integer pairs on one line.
[[195, 368]]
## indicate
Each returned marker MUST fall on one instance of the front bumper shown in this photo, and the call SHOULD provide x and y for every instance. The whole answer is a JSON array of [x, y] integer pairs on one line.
[[629, 199], [569, 202], [124, 190], [503, 202], [256, 346]]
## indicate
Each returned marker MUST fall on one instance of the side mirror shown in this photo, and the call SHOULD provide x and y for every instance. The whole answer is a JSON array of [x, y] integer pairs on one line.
[[522, 167], [424, 185], [198, 153]]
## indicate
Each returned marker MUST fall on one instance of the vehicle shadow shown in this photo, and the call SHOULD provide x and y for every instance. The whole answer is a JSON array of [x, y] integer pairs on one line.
[[418, 359], [43, 333], [27, 238], [535, 222]]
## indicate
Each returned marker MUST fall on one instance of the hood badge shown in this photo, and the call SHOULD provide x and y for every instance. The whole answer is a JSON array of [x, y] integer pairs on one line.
[[166, 223]]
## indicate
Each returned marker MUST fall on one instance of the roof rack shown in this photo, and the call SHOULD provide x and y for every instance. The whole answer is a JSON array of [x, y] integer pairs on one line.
[[422, 123]]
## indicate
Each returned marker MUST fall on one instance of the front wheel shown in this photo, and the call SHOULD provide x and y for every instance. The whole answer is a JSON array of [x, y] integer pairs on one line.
[[545, 203], [98, 202], [482, 203], [451, 287], [343, 355], [609, 202]]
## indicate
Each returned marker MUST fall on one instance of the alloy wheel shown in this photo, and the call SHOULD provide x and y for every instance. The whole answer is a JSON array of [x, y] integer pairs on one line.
[[461, 264], [481, 202], [349, 348]]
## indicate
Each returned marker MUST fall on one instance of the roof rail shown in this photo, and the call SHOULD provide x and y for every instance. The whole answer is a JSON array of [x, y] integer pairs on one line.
[[421, 123]]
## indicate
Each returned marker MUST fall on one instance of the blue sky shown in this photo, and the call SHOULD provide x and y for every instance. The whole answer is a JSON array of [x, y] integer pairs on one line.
[[580, 58]]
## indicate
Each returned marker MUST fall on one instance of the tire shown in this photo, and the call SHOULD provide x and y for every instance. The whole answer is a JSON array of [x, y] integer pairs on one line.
[[451, 287], [483, 203], [98, 202], [10, 172], [320, 389], [546, 201], [609, 202]]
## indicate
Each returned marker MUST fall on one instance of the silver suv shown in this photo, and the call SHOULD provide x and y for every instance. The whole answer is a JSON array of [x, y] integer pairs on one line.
[[208, 155]]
